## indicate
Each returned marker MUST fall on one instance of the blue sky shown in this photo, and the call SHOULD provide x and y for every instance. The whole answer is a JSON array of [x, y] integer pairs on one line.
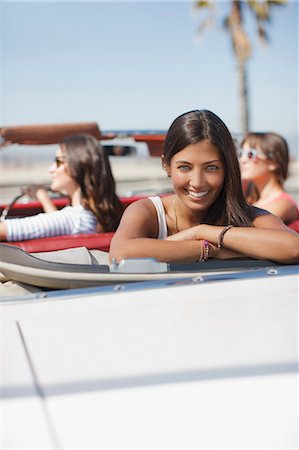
[[137, 66]]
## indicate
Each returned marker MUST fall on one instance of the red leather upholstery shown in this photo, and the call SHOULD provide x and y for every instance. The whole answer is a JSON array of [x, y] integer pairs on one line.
[[294, 225], [100, 241]]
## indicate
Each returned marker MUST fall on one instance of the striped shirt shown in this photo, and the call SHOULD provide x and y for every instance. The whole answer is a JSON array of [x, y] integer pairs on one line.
[[69, 220]]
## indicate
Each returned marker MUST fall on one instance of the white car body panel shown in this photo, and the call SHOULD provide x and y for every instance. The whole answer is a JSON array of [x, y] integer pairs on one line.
[[193, 365]]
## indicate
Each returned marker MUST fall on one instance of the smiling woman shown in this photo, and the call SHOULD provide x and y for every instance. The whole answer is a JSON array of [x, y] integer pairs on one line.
[[81, 171], [264, 159], [207, 216]]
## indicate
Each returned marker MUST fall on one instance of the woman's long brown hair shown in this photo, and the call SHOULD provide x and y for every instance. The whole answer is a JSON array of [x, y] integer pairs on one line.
[[230, 208], [89, 165], [276, 149]]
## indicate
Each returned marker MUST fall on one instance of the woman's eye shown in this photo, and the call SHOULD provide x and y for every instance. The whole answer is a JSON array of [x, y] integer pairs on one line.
[[212, 167], [184, 168]]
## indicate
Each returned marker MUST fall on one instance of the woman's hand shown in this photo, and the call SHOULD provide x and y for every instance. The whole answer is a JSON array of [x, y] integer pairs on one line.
[[40, 193], [224, 253], [185, 235], [192, 234], [32, 189]]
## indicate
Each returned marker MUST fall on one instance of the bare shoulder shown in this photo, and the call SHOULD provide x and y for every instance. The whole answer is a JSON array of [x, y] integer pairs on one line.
[[284, 208], [139, 219], [271, 221], [145, 205]]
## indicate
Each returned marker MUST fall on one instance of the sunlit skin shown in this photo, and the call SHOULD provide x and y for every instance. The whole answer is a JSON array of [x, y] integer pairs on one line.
[[197, 174], [256, 169], [61, 180], [261, 171]]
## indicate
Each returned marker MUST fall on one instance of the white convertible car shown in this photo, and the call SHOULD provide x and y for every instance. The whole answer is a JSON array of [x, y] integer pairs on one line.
[[144, 355], [147, 355]]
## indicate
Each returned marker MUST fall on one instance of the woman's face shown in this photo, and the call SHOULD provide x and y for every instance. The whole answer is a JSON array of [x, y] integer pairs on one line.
[[197, 174], [61, 180], [253, 163]]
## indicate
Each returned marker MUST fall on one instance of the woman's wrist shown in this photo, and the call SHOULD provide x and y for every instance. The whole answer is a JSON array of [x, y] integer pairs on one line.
[[198, 232], [41, 194]]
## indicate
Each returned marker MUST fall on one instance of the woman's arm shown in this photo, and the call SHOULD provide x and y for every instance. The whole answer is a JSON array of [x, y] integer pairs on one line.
[[40, 193], [270, 239], [3, 231], [48, 206], [136, 237], [284, 209], [44, 198], [41, 225]]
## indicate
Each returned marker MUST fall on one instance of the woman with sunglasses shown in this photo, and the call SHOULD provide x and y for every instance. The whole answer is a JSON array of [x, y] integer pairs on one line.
[[82, 172], [264, 159], [207, 215]]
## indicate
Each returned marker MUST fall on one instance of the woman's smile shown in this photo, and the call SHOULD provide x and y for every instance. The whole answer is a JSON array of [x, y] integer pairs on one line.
[[197, 174], [197, 195]]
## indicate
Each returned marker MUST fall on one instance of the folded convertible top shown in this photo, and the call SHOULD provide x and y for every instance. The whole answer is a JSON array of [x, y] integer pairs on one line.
[[47, 134]]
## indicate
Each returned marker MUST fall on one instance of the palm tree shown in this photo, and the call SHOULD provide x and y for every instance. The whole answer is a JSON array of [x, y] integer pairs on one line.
[[234, 24]]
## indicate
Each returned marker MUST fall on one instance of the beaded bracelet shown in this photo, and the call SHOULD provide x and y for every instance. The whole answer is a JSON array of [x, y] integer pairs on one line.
[[221, 236], [205, 249]]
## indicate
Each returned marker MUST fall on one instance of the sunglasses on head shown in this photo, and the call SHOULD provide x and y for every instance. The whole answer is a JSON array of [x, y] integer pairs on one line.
[[251, 153], [59, 160]]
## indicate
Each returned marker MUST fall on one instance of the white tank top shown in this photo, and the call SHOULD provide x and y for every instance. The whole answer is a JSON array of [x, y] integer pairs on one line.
[[157, 201]]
